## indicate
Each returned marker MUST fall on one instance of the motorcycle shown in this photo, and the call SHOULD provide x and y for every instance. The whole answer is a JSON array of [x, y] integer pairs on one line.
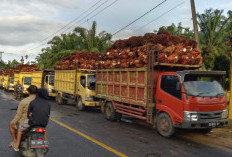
[[18, 93], [33, 143]]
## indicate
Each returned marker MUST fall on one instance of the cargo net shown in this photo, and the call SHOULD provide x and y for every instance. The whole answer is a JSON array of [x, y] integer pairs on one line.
[[134, 52]]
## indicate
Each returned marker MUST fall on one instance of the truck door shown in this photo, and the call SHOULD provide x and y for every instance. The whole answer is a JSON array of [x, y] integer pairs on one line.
[[46, 82], [169, 97], [82, 86]]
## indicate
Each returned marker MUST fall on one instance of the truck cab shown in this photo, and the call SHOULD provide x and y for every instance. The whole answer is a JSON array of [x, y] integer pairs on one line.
[[26, 82], [49, 84], [11, 83], [191, 99], [86, 90], [6, 81]]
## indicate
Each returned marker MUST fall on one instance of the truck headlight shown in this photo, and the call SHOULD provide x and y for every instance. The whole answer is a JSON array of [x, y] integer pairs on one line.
[[224, 114], [49, 90], [24, 88], [190, 116], [89, 98]]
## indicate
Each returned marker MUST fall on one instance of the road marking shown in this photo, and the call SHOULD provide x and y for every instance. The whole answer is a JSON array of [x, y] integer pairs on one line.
[[90, 138]]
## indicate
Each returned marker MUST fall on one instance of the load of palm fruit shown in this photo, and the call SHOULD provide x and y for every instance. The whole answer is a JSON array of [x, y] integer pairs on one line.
[[26, 68], [81, 59], [9, 71], [133, 53]]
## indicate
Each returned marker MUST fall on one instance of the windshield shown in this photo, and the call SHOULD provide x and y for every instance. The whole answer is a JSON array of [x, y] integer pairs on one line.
[[51, 80], [203, 88], [91, 82], [11, 80], [27, 81]]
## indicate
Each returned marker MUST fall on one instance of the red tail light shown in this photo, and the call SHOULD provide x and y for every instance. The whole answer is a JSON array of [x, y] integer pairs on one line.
[[40, 139], [40, 130]]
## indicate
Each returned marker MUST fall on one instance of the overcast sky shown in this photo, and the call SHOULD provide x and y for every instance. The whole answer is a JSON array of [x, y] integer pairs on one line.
[[25, 23]]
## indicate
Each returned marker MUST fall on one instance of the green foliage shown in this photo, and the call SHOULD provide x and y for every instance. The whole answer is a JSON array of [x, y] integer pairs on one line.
[[81, 39], [222, 63], [178, 30], [215, 29], [9, 64]]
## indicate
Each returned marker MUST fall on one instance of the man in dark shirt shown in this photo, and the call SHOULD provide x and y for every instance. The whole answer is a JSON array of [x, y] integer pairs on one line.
[[39, 109], [38, 113]]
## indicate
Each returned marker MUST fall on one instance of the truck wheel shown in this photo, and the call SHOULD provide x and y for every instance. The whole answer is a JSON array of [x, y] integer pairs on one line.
[[80, 106], [164, 125], [110, 112], [60, 100]]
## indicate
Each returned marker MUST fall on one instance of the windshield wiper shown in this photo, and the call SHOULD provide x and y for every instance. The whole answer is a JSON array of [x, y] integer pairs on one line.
[[220, 94]]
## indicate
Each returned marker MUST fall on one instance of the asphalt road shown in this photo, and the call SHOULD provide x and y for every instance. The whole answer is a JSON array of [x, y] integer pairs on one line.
[[88, 134]]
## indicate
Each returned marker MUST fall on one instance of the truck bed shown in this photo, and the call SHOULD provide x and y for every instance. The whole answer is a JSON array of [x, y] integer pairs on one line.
[[65, 81], [37, 78], [123, 85]]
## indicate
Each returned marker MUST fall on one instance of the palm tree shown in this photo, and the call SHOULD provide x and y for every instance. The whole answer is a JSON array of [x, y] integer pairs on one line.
[[214, 29], [90, 41]]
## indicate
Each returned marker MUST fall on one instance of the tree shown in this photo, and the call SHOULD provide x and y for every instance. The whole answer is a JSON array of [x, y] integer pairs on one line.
[[91, 41], [214, 30], [178, 30], [81, 39]]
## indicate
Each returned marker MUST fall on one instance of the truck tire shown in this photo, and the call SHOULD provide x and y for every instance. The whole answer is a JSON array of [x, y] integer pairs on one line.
[[79, 104], [110, 113], [164, 125], [60, 100]]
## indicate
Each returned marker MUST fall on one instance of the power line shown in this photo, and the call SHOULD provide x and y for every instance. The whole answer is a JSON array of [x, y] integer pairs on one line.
[[84, 17], [159, 17], [101, 11], [140, 17], [72, 21], [65, 25], [87, 15]]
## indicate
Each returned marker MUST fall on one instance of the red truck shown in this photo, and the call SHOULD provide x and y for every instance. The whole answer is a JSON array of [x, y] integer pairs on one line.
[[168, 96]]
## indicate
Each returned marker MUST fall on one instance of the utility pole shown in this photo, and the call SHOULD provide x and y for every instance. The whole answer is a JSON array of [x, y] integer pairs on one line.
[[1, 52], [195, 28]]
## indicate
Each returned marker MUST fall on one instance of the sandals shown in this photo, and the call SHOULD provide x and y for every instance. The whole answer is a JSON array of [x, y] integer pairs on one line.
[[12, 145]]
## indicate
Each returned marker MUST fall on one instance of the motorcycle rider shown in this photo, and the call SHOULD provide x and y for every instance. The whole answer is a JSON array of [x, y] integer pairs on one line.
[[38, 114], [21, 115], [17, 89]]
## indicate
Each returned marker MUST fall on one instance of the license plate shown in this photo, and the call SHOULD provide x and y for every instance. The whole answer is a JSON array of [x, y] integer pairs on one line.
[[35, 143], [214, 124]]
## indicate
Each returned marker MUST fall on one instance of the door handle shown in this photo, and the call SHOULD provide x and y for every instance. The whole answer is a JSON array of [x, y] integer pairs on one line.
[[160, 101]]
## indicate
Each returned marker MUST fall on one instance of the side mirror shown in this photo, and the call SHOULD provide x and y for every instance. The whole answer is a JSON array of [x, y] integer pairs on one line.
[[178, 86]]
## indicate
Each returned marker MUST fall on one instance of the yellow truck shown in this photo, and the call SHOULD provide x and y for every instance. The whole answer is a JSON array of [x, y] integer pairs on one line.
[[44, 79], [11, 83], [5, 83], [24, 79], [77, 85], [1, 81]]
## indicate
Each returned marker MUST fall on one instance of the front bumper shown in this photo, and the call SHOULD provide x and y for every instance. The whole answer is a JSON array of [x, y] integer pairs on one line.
[[92, 103], [201, 124], [52, 94], [11, 89], [25, 92]]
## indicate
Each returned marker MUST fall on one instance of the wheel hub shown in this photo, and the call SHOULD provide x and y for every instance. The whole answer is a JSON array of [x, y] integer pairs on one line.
[[164, 125]]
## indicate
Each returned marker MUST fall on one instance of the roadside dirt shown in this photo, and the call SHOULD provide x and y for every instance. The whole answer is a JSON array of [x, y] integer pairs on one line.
[[218, 137]]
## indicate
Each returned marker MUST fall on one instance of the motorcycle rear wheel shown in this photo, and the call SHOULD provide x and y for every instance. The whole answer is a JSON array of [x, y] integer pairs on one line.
[[39, 152]]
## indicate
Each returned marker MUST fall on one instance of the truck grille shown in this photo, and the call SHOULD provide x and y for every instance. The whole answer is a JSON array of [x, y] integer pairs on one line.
[[210, 115], [96, 99]]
